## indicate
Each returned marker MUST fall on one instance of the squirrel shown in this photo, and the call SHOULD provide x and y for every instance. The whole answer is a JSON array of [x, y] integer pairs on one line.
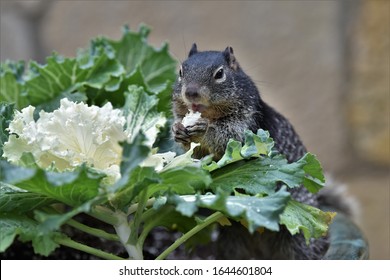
[[214, 84]]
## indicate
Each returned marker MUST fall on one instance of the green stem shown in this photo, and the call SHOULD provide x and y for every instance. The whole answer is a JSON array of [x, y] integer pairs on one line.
[[151, 214], [98, 212], [144, 234], [208, 221], [137, 218], [81, 247], [135, 206], [123, 230], [151, 219], [93, 231], [104, 214]]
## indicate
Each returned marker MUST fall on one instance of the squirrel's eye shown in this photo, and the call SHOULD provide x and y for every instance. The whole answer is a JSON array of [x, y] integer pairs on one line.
[[219, 75]]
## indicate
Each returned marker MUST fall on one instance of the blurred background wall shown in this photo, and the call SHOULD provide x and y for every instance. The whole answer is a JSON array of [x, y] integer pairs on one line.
[[323, 64]]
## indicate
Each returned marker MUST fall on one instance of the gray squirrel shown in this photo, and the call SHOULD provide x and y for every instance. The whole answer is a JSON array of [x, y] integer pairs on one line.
[[214, 84]]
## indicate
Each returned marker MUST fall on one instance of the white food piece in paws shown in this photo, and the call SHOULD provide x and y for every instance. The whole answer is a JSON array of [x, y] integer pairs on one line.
[[190, 118]]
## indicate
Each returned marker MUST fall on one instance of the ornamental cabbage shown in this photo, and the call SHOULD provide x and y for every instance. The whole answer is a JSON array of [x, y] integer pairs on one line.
[[73, 134]]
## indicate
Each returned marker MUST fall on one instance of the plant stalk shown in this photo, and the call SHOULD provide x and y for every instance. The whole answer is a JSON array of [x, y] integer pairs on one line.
[[104, 214], [208, 221], [123, 231], [84, 248], [135, 206], [135, 224], [93, 231]]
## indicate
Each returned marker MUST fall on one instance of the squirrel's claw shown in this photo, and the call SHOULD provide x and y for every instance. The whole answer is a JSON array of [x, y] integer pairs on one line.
[[197, 130], [192, 133], [180, 133]]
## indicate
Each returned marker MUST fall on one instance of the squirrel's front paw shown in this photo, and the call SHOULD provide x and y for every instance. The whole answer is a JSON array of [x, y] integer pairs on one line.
[[180, 133], [197, 130], [191, 133]]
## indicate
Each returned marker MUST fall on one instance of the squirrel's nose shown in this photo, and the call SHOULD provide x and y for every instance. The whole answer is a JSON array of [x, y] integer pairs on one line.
[[192, 93]]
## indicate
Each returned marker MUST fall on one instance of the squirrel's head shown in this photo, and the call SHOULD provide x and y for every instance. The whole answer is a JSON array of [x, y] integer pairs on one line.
[[209, 82]]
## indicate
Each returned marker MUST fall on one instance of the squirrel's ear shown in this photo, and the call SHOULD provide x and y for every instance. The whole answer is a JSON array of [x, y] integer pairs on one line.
[[230, 58], [194, 49]]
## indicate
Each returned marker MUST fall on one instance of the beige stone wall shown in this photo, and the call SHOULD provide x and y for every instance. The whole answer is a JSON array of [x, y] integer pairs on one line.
[[323, 64], [368, 106]]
